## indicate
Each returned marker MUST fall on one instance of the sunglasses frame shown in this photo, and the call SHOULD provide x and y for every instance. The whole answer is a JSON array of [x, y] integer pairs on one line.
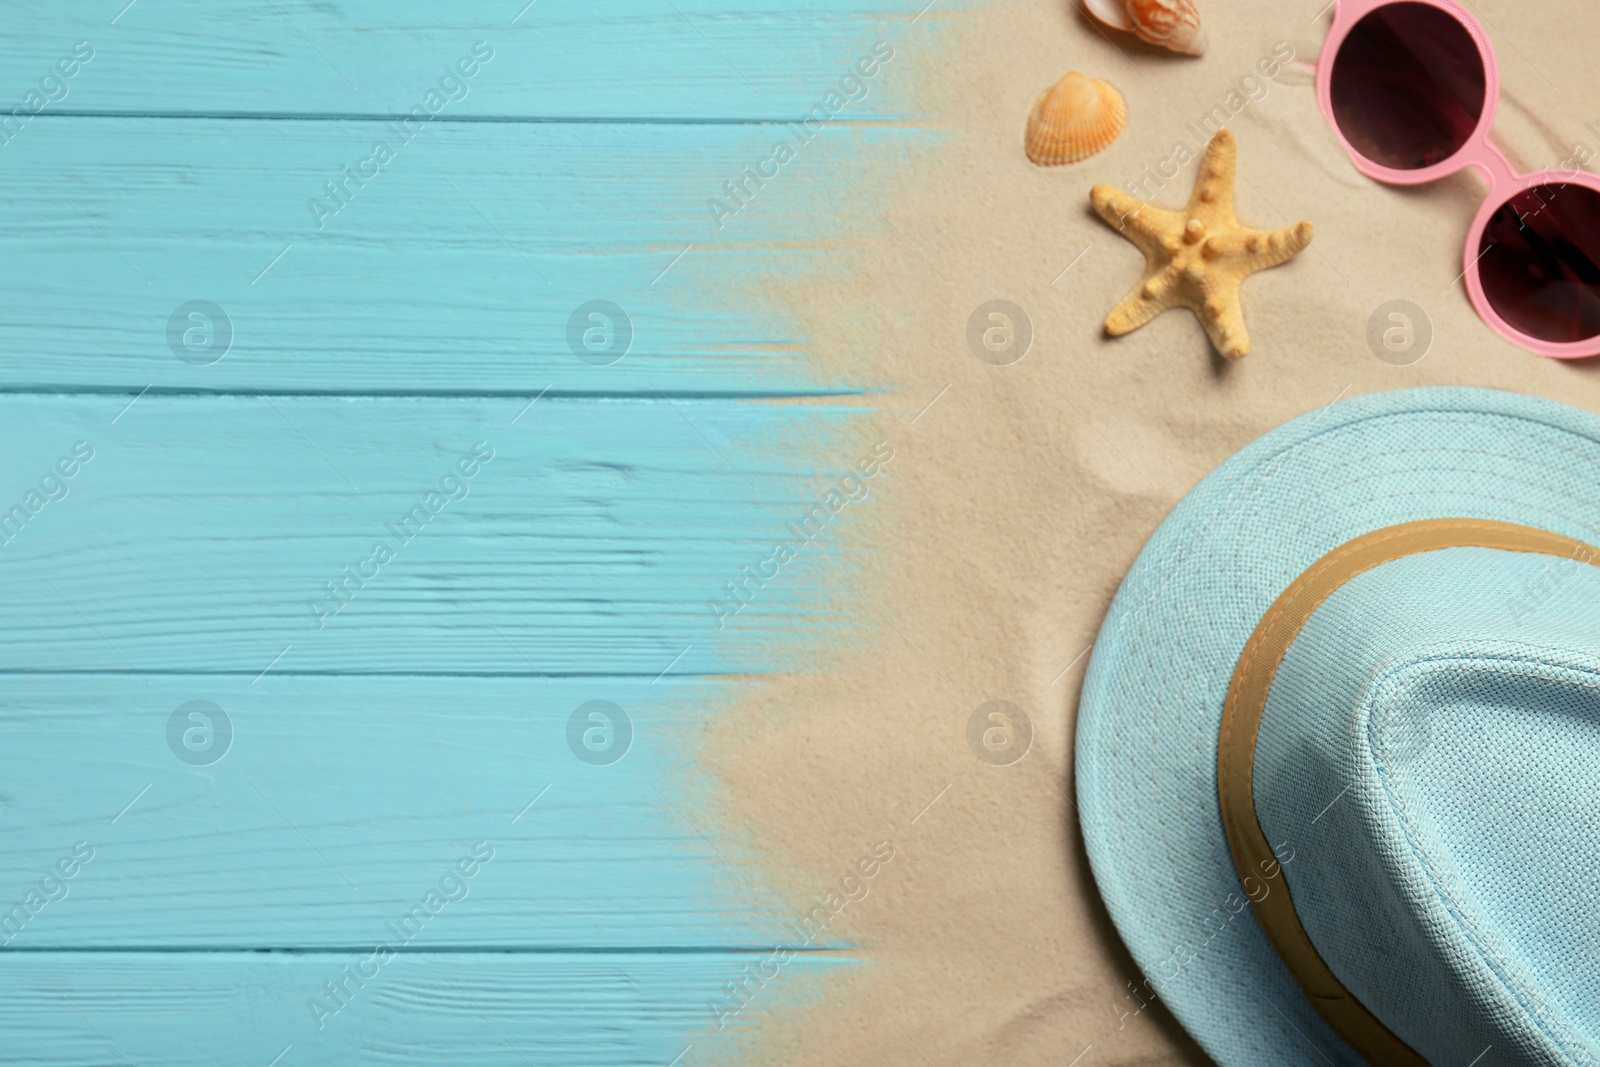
[[1479, 151]]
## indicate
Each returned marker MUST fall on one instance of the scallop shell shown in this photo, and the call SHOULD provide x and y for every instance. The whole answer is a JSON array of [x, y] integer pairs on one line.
[[1173, 24], [1073, 119]]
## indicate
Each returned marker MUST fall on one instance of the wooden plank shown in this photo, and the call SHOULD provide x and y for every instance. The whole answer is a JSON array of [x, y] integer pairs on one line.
[[629, 59], [319, 811], [420, 1010], [458, 268], [212, 533], [170, 525]]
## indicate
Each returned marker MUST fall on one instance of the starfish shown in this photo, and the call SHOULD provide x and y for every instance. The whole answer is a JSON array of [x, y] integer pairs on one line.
[[1198, 257]]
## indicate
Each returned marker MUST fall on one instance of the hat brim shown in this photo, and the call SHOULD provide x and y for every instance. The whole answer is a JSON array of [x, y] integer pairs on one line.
[[1148, 719]]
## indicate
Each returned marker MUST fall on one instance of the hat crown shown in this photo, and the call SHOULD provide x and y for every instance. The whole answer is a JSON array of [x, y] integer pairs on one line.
[[1428, 767]]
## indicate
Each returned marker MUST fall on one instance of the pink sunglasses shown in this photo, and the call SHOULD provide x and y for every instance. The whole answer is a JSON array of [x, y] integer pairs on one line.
[[1411, 87]]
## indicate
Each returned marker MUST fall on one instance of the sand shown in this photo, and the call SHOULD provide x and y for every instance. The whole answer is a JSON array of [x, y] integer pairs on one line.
[[1018, 499]]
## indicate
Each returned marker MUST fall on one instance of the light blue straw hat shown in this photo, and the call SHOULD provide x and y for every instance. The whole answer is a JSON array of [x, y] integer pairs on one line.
[[1338, 750]]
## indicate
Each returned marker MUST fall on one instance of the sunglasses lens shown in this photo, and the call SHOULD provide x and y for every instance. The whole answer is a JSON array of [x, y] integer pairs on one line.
[[1540, 262], [1408, 86]]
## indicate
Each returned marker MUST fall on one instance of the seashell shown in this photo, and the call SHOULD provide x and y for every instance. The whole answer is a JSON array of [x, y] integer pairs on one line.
[[1073, 119], [1113, 13], [1173, 24]]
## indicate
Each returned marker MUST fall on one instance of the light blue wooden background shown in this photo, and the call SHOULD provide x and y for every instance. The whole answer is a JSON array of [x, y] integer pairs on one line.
[[371, 348]]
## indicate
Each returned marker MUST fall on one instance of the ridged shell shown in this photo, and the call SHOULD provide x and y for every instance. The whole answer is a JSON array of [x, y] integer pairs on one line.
[[1073, 119], [1173, 24]]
